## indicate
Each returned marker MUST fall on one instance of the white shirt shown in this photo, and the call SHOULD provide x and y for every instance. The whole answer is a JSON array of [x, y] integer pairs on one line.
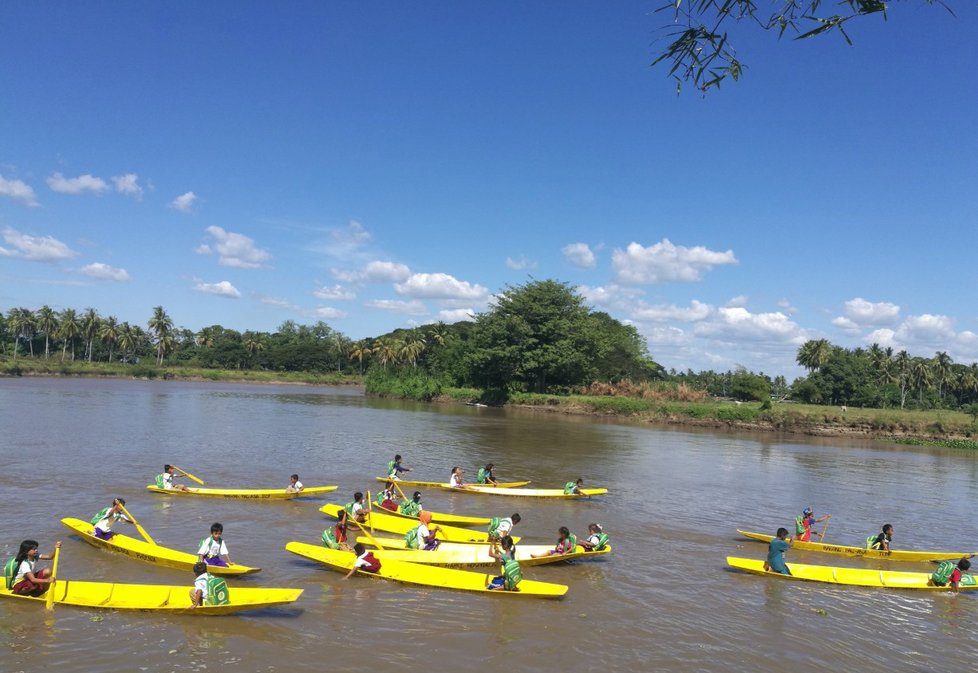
[[105, 524], [455, 481], [594, 539], [200, 584], [357, 510], [211, 547], [504, 527], [297, 486], [361, 562], [167, 480], [26, 566], [423, 534]]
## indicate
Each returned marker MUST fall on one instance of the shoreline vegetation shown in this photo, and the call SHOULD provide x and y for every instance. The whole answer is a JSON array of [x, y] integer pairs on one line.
[[656, 403]]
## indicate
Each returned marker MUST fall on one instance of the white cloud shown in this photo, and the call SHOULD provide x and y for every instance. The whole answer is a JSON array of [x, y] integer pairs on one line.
[[375, 272], [926, 328], [347, 244], [786, 306], [328, 312], [101, 271], [337, 292], [846, 325], [34, 248], [456, 315], [235, 250], [439, 286], [221, 289], [739, 300], [520, 264], [275, 301], [664, 261], [696, 312], [184, 203], [83, 183], [203, 249], [128, 184], [884, 337], [863, 313], [923, 335], [579, 254], [20, 191], [737, 323], [666, 336], [611, 296], [414, 307]]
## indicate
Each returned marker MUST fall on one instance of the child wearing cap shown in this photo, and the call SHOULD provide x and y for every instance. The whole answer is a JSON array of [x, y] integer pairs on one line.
[[804, 523]]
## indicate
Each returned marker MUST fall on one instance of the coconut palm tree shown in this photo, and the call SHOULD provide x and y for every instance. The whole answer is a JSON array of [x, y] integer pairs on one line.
[[943, 369], [358, 351], [68, 330], [902, 363], [342, 345], [411, 350], [47, 322], [253, 343], [386, 351], [922, 377], [162, 326], [127, 339], [813, 354], [90, 324], [109, 333]]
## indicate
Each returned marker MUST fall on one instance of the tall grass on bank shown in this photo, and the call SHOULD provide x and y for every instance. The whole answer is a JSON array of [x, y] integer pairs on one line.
[[406, 384]]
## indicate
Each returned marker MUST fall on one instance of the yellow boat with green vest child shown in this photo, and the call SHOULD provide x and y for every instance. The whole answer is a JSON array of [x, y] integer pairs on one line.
[[386, 522], [858, 577], [445, 485], [460, 554], [890, 555]]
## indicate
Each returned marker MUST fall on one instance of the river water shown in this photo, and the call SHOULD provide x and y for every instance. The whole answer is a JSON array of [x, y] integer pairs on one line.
[[663, 601]]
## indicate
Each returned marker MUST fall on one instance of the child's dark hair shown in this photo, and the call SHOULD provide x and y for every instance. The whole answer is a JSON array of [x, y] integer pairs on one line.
[[357, 496], [516, 518], [964, 564], [295, 476], [579, 482], [25, 547], [782, 532], [489, 466], [417, 496], [200, 568], [887, 527], [166, 467], [119, 501], [397, 457], [507, 543], [455, 469], [564, 530], [217, 528], [358, 548]]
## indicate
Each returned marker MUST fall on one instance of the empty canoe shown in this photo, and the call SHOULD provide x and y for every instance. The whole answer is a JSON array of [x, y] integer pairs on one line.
[[387, 523], [245, 493], [857, 577], [109, 596], [534, 492], [151, 553], [438, 484], [426, 575], [892, 555]]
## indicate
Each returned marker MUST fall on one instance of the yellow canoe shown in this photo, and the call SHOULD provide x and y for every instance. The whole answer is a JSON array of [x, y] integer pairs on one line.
[[857, 577], [416, 573], [244, 493], [109, 596], [438, 484], [478, 555], [151, 553], [387, 523], [440, 517], [534, 492], [891, 555]]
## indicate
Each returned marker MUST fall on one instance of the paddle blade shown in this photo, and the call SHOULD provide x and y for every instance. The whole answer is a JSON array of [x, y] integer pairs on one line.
[[49, 599], [188, 475]]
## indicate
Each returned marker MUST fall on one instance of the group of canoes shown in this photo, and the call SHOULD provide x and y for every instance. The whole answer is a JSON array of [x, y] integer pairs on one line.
[[950, 573], [401, 559]]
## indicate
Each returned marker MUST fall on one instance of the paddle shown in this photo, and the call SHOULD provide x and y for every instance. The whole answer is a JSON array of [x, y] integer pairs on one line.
[[49, 599], [404, 497], [188, 475], [370, 537], [142, 531], [370, 510], [825, 528]]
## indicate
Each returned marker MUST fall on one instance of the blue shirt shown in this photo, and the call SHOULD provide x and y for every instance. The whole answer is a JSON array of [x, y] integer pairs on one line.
[[775, 556]]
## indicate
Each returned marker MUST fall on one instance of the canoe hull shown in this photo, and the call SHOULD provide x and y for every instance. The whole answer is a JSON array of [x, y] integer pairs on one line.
[[441, 517], [891, 555], [446, 485], [474, 555], [156, 597], [244, 493], [425, 575], [856, 577], [150, 553], [384, 522], [557, 493]]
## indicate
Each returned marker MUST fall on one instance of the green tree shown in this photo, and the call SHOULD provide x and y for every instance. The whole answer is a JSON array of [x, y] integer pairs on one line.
[[47, 322], [922, 377], [902, 363], [109, 333], [22, 326], [746, 386], [68, 330], [90, 324], [942, 368], [162, 327], [358, 351], [813, 354]]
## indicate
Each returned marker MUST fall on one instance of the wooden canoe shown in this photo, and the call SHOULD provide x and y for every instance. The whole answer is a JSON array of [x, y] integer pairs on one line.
[[440, 517], [150, 553], [891, 555], [109, 596], [387, 523], [426, 575], [857, 577], [534, 492], [438, 484], [478, 555], [244, 493]]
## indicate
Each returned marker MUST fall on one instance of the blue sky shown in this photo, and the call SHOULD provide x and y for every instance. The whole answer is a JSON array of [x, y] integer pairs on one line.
[[386, 164]]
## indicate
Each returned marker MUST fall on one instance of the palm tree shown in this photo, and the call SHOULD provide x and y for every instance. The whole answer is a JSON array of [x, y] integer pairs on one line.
[[358, 351], [162, 325], [109, 333], [90, 324], [342, 345], [127, 339], [68, 330], [943, 371], [922, 377], [47, 322], [813, 354], [386, 351], [902, 363], [13, 322], [253, 343], [410, 350]]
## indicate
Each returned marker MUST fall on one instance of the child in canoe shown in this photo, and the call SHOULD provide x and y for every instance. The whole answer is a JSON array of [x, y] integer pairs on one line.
[[366, 561], [775, 553], [103, 520], [596, 539], [501, 527], [394, 468], [386, 497], [354, 509], [512, 574], [165, 480], [485, 475], [422, 536], [457, 478], [573, 487], [413, 506], [19, 573], [212, 550], [949, 573], [335, 537], [805, 522], [208, 589], [295, 486], [566, 544], [881, 541]]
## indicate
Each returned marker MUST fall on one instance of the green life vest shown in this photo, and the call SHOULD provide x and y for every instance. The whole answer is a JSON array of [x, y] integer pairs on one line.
[[494, 524], [101, 515], [10, 572], [512, 574], [411, 538], [410, 508], [570, 546], [160, 483], [943, 573], [799, 524], [483, 475], [329, 539], [871, 542], [602, 542], [569, 487], [381, 497], [391, 472], [349, 507], [217, 591]]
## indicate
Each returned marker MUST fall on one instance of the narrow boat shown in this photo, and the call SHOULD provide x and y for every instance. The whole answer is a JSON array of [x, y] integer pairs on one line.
[[150, 553], [857, 577], [438, 484], [892, 555], [109, 596], [534, 492], [439, 517], [416, 573], [387, 523], [244, 493], [478, 555]]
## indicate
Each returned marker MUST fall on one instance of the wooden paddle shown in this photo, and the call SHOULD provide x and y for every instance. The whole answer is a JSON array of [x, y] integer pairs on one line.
[[187, 474], [49, 599], [370, 537], [404, 497], [370, 510], [824, 528], [142, 531]]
